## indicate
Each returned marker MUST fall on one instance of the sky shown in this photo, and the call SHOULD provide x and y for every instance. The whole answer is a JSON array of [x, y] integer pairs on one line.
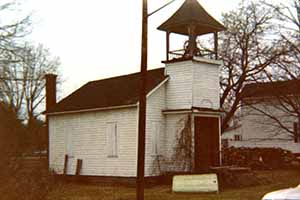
[[97, 39]]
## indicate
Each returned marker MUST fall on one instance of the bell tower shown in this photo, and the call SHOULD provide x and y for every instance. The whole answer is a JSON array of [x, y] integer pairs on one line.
[[191, 20], [193, 88], [193, 72]]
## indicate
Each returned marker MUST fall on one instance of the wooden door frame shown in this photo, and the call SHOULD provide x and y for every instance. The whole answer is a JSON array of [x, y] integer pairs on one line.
[[194, 115]]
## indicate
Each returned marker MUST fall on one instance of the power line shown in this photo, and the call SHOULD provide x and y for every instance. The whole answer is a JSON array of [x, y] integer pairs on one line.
[[160, 8]]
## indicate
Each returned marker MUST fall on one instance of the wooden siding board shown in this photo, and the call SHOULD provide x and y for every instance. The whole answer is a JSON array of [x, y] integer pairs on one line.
[[155, 105], [179, 86], [257, 130], [206, 85], [89, 142], [255, 125], [172, 128], [192, 84]]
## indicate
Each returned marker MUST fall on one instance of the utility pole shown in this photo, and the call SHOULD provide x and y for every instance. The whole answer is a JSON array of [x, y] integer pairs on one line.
[[140, 181]]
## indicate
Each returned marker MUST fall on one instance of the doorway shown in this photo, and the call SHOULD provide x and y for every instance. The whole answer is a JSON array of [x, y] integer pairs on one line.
[[207, 143]]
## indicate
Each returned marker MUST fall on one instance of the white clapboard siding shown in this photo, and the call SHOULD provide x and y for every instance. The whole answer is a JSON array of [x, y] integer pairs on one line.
[[174, 123], [155, 105], [206, 87], [69, 141], [258, 126], [193, 83], [155, 134], [57, 145], [259, 130], [179, 87], [89, 142]]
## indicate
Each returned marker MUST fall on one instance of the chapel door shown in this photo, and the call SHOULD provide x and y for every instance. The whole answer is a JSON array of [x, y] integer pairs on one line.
[[207, 143]]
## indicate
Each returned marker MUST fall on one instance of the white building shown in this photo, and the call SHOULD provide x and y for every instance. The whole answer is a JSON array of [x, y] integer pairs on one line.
[[267, 119], [98, 123]]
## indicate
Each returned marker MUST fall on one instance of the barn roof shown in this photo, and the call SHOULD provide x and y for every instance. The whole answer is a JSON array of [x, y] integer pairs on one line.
[[111, 92], [271, 89]]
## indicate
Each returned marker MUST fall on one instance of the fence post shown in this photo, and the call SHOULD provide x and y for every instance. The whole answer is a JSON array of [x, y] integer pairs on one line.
[[66, 164], [78, 167]]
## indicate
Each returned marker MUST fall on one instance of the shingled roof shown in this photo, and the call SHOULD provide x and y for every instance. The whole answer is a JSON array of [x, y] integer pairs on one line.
[[271, 89], [111, 92]]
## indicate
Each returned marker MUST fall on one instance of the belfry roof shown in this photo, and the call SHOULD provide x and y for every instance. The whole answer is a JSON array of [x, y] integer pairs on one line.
[[191, 13]]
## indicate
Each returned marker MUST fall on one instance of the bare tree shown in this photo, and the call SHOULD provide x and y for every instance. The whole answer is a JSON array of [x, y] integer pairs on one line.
[[288, 16], [23, 86], [289, 13], [282, 109], [12, 33], [249, 46], [39, 62]]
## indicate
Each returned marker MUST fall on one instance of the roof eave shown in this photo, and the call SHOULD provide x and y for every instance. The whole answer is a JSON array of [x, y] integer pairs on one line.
[[90, 110]]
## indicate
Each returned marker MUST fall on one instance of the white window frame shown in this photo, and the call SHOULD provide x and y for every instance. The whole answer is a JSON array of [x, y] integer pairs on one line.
[[112, 139]]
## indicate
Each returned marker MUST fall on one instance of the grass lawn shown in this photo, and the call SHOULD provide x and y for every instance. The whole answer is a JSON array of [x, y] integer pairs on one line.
[[276, 180]]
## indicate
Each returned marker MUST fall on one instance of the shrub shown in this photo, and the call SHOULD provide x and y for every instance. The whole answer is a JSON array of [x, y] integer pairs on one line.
[[233, 179], [22, 180], [257, 158]]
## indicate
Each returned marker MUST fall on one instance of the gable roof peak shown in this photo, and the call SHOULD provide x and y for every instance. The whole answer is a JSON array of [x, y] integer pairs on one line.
[[110, 92]]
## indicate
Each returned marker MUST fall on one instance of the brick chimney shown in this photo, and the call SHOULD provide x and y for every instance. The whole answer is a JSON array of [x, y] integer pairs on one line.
[[50, 90]]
